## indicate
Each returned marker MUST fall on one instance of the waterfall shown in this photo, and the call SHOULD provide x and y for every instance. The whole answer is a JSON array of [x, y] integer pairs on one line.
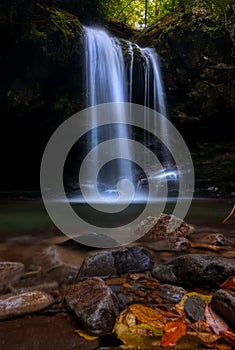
[[114, 74]]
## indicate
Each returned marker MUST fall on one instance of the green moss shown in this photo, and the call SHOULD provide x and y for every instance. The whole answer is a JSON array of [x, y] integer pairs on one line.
[[56, 31]]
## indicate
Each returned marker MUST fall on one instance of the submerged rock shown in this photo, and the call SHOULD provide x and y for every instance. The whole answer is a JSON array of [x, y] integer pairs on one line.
[[10, 272], [223, 303], [94, 303], [24, 303], [196, 270], [58, 263], [163, 226], [116, 262]]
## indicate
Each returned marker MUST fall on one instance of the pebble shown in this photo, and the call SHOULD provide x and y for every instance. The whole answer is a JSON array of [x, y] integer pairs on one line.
[[10, 272], [116, 262], [195, 308], [223, 303], [195, 270], [24, 303], [94, 303]]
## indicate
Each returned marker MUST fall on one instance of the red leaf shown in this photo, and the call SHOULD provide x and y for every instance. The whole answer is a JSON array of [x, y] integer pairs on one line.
[[215, 322], [174, 330]]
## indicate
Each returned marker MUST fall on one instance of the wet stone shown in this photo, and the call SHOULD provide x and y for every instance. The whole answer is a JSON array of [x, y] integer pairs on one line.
[[94, 303], [116, 262], [195, 308], [171, 293], [195, 270], [223, 303], [24, 303], [163, 225], [10, 272]]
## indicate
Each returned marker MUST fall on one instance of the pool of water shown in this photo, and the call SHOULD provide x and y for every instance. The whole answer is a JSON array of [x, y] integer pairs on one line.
[[26, 227]]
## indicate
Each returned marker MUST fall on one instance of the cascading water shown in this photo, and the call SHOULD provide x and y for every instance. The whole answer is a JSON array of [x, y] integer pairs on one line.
[[112, 73], [120, 145]]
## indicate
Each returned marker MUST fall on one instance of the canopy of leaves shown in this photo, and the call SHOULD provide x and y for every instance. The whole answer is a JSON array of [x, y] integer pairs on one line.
[[139, 13]]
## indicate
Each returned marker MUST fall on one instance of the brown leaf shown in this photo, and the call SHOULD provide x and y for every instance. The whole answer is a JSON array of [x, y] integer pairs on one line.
[[214, 321], [168, 312], [206, 337], [174, 330], [229, 283], [199, 326], [230, 336], [148, 315], [116, 281]]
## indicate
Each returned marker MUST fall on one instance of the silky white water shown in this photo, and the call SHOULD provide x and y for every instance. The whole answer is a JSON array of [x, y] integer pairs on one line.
[[113, 74]]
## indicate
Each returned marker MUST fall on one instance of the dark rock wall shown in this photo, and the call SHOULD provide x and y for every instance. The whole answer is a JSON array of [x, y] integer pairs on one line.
[[41, 64]]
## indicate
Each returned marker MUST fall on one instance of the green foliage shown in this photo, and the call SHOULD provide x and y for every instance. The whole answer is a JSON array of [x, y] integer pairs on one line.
[[56, 31], [139, 13]]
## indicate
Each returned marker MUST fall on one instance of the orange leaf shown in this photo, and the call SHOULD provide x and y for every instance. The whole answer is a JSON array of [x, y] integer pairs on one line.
[[174, 330], [215, 322], [148, 315], [229, 283]]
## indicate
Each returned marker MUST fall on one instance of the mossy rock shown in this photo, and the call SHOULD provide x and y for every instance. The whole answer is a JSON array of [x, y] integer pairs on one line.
[[55, 31]]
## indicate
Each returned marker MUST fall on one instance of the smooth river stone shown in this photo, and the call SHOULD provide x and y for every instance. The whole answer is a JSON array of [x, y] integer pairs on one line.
[[10, 272], [195, 308], [223, 303], [195, 270], [24, 303]]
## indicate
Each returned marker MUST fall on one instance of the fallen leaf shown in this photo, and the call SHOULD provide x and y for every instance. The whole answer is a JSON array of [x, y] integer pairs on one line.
[[229, 283], [86, 335], [142, 336], [168, 312], [199, 326], [173, 331], [148, 315], [116, 281], [206, 337], [215, 321], [230, 336]]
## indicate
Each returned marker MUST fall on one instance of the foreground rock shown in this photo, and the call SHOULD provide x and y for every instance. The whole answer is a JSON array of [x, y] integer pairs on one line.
[[196, 270], [223, 303], [10, 272], [163, 226], [94, 303], [24, 303], [116, 262]]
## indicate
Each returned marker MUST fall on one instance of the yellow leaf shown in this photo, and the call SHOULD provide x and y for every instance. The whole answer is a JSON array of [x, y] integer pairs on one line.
[[86, 335], [206, 297], [144, 314]]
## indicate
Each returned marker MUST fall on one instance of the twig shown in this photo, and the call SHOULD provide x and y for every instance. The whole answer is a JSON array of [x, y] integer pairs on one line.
[[229, 215]]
